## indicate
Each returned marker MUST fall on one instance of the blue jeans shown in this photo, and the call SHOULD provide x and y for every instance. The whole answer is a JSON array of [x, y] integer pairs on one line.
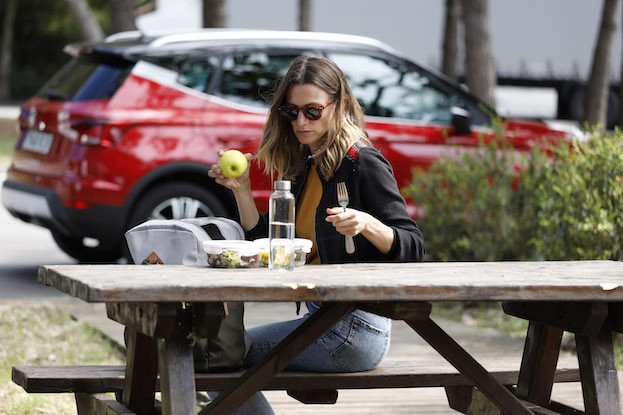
[[358, 342]]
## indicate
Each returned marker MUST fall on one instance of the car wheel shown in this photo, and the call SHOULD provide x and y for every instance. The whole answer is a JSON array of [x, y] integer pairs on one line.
[[175, 200], [75, 248]]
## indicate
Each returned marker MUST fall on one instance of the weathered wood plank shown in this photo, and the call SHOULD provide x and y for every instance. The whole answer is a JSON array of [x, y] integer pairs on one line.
[[538, 366], [480, 405], [315, 396], [100, 404], [67, 379], [141, 371], [399, 310], [153, 320], [564, 409], [585, 318], [176, 368], [391, 374], [459, 397], [616, 316], [600, 385], [600, 281]]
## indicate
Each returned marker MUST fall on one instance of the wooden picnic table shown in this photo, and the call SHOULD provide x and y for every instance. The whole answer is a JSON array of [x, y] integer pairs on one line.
[[583, 297]]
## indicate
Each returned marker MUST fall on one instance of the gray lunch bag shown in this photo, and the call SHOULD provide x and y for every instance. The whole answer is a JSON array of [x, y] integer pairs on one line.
[[180, 241]]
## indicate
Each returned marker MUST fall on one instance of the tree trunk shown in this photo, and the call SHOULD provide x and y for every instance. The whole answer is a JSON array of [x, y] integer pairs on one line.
[[305, 7], [88, 24], [6, 48], [122, 15], [450, 46], [479, 66], [596, 104], [214, 13]]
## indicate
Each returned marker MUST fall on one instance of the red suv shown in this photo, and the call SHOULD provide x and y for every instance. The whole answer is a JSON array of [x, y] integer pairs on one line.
[[127, 130]]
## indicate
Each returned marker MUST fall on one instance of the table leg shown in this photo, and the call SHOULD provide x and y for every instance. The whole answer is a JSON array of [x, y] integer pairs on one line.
[[592, 324], [468, 366], [600, 384], [278, 358], [538, 364], [141, 373], [177, 373]]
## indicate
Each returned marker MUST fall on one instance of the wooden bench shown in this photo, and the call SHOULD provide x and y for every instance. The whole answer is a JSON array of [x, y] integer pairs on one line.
[[306, 387]]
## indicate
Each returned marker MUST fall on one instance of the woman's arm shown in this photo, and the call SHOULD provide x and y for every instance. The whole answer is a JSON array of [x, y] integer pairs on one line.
[[381, 215], [249, 215]]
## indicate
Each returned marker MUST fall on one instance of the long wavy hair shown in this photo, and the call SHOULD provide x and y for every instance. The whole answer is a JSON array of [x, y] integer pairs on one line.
[[281, 153]]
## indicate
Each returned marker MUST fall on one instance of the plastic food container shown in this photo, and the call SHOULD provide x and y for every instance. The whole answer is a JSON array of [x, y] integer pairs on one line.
[[231, 254], [302, 247]]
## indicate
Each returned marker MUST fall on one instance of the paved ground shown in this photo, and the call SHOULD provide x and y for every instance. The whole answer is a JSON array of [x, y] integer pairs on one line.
[[9, 112], [406, 344]]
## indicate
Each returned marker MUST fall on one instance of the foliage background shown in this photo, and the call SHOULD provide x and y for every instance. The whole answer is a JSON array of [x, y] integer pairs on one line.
[[494, 203], [33, 64], [580, 200]]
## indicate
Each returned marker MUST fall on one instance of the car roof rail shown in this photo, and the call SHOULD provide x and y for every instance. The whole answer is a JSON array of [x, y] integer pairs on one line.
[[121, 36], [234, 34]]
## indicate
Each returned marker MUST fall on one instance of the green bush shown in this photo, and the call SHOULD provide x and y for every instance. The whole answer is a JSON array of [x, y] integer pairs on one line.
[[472, 211], [580, 195], [493, 203]]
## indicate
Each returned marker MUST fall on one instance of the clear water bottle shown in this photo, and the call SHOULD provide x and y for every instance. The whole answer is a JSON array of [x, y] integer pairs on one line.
[[281, 227]]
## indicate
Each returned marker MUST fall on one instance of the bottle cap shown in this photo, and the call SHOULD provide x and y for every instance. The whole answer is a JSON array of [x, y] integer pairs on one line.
[[282, 185]]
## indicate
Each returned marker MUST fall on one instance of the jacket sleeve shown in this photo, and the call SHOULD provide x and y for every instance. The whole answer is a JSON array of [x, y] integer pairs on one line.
[[260, 230], [381, 198]]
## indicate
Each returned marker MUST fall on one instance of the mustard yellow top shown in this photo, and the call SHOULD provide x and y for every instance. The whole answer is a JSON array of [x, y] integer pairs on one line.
[[306, 211]]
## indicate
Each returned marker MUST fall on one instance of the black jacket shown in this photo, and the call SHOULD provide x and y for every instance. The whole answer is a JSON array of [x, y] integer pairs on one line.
[[372, 188]]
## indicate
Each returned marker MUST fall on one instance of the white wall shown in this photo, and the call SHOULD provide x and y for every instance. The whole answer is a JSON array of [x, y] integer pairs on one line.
[[172, 15]]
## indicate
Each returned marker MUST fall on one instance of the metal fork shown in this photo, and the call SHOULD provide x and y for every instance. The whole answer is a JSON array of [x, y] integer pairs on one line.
[[342, 199]]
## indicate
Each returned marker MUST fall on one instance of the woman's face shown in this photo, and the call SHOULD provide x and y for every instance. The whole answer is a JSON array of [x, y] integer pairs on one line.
[[310, 131]]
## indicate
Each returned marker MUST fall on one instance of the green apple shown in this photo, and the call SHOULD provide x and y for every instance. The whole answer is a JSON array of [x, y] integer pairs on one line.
[[233, 163]]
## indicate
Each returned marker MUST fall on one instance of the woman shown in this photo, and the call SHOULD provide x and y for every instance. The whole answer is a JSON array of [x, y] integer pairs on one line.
[[315, 136]]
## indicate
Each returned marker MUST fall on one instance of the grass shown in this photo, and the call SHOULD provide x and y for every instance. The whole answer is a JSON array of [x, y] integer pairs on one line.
[[7, 137], [6, 148], [34, 334], [481, 315]]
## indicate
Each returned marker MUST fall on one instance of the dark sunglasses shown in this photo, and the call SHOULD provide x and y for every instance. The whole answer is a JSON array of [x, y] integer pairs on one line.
[[311, 112]]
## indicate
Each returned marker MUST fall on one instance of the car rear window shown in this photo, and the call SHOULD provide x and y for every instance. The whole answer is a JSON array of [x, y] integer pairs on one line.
[[87, 77]]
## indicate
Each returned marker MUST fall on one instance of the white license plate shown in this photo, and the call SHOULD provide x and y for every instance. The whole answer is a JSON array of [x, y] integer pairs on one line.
[[38, 142]]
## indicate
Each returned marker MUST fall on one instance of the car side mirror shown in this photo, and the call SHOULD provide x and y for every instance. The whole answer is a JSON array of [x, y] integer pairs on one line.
[[461, 121]]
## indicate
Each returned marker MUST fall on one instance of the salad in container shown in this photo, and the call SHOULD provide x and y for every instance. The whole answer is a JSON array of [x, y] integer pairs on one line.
[[232, 253], [302, 247]]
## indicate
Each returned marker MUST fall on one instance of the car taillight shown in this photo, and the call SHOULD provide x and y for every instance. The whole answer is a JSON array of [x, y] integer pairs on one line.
[[102, 135], [81, 205]]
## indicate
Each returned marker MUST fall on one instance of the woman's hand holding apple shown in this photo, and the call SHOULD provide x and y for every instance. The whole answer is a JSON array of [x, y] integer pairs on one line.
[[232, 170], [234, 163]]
